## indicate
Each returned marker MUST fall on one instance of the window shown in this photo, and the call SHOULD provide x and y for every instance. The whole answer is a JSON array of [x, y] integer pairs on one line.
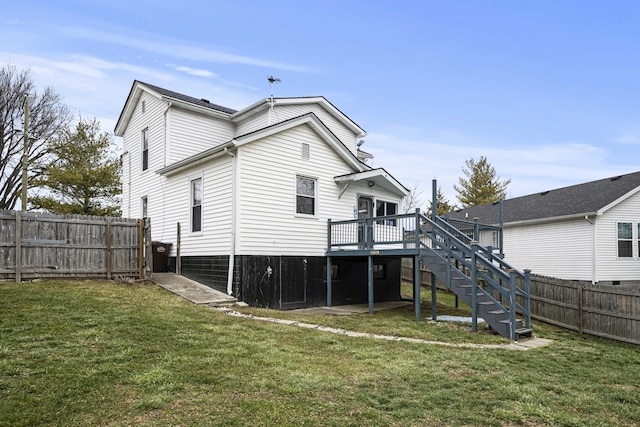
[[305, 195], [625, 239], [384, 209], [196, 205], [144, 206], [305, 151], [379, 271], [145, 149], [143, 107]]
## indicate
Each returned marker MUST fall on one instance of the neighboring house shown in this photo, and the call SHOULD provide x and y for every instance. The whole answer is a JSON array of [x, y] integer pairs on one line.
[[253, 191], [588, 232]]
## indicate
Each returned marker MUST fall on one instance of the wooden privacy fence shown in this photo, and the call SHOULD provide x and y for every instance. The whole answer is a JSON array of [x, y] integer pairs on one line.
[[607, 311], [35, 245]]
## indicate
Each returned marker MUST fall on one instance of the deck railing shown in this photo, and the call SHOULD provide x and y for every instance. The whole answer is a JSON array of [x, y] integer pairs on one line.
[[414, 232]]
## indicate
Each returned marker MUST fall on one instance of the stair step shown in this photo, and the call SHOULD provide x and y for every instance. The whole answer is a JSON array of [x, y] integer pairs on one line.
[[524, 332]]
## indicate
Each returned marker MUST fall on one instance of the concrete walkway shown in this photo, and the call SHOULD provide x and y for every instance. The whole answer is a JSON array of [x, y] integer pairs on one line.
[[193, 291], [200, 294], [528, 344]]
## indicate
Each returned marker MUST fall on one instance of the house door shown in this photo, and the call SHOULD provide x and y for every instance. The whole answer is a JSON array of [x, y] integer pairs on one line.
[[365, 207], [365, 210], [293, 282]]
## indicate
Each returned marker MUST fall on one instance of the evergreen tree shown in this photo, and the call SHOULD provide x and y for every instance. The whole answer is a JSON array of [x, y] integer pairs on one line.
[[481, 185], [83, 177], [443, 204]]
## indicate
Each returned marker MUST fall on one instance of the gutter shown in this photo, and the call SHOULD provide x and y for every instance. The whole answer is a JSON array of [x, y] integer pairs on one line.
[[232, 249]]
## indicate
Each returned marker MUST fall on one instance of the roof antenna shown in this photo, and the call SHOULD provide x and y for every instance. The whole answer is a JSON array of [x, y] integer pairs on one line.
[[272, 80]]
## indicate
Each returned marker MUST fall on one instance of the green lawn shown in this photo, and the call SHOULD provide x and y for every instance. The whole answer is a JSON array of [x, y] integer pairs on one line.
[[101, 353]]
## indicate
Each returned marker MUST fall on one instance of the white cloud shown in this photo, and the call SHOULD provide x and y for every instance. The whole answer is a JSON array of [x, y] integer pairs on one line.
[[538, 168], [193, 71], [172, 48]]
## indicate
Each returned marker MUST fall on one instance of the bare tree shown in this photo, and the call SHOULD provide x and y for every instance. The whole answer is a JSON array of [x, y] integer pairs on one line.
[[412, 200], [47, 115]]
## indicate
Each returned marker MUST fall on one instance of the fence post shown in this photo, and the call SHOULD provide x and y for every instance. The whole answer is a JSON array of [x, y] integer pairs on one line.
[[580, 309], [18, 248], [109, 244], [141, 249]]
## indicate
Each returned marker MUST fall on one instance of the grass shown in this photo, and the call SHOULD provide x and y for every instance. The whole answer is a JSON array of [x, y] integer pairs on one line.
[[101, 353]]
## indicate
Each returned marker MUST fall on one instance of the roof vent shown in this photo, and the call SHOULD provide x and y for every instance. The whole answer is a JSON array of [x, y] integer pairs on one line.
[[615, 178], [206, 101], [544, 193]]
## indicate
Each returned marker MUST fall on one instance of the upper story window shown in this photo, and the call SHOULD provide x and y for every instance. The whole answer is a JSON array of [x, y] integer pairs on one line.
[[385, 209], [305, 195], [145, 149], [196, 205], [143, 106], [144, 206], [625, 239], [305, 151]]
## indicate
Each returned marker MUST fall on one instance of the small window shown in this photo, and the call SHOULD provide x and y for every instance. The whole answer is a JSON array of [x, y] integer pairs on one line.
[[379, 271], [305, 195], [386, 209], [143, 106], [144, 206], [625, 239], [145, 149], [305, 151], [196, 205]]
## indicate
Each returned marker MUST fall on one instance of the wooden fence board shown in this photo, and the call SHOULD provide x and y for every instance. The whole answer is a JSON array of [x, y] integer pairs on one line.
[[34, 245]]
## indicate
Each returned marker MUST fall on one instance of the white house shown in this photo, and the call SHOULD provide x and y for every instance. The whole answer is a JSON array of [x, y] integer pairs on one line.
[[252, 191], [588, 232]]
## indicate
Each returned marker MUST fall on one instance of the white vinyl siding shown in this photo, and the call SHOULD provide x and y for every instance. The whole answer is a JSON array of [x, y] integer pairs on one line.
[[191, 133], [280, 113], [135, 182], [267, 171], [611, 267], [559, 249]]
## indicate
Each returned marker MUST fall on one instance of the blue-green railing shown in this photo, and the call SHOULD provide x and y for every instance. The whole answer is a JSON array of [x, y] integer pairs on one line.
[[416, 233]]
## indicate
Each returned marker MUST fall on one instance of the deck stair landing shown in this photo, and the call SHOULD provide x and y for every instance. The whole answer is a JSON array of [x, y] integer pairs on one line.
[[493, 289]]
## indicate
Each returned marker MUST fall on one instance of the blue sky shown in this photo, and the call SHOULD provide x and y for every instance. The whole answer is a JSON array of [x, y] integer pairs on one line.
[[548, 91]]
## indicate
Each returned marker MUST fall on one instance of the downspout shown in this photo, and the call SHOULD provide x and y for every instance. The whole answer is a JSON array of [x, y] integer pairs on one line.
[[169, 104], [594, 259], [126, 153], [232, 250]]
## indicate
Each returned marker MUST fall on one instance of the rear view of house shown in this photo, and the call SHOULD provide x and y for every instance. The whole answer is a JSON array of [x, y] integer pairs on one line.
[[587, 232], [252, 192]]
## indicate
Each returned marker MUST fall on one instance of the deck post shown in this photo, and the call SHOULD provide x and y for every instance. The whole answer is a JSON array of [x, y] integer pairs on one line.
[[329, 284], [527, 301], [474, 288], [370, 281], [416, 286]]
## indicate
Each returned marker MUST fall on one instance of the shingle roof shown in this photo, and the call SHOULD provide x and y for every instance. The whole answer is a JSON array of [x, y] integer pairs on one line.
[[189, 99], [577, 199]]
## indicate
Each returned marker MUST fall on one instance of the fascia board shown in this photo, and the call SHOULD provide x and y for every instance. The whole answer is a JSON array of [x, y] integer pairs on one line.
[[550, 219], [196, 159], [618, 201], [372, 174]]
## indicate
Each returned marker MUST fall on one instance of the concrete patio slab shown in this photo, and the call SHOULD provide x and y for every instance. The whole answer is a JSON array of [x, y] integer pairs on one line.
[[191, 290]]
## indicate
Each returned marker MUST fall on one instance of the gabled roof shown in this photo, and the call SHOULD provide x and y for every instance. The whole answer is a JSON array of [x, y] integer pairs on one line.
[[263, 104], [591, 198], [185, 101], [309, 119], [374, 177]]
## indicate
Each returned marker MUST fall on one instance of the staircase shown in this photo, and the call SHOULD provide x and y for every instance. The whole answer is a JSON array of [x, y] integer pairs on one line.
[[479, 278], [493, 289]]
